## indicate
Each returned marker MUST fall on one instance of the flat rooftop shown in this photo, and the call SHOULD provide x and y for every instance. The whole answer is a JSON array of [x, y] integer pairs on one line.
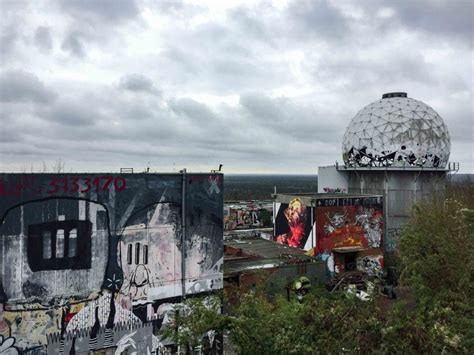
[[312, 199], [257, 253]]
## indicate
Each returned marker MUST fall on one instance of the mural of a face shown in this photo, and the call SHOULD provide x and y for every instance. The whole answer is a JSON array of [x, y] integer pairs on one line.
[[335, 221], [87, 260], [296, 217]]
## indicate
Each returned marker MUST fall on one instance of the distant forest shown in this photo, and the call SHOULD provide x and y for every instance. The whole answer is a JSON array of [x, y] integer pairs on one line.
[[260, 187]]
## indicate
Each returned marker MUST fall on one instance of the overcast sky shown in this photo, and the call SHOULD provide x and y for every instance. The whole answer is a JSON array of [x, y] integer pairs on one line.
[[260, 87]]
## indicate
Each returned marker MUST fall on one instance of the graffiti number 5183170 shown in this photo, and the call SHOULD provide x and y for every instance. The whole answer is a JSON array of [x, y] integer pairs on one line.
[[86, 184]]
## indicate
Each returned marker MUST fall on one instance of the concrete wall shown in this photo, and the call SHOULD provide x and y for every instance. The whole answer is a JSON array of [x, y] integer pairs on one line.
[[331, 180], [400, 188], [88, 254]]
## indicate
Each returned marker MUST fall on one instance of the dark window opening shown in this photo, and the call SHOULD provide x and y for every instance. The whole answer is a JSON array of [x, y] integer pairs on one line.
[[46, 242], [350, 262], [72, 247], [145, 254], [129, 254], [137, 253], [59, 245]]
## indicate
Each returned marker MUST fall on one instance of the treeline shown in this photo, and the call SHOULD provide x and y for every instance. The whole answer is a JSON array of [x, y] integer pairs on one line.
[[261, 187]]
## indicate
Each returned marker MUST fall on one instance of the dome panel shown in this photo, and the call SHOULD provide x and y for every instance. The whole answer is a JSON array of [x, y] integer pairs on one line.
[[396, 131]]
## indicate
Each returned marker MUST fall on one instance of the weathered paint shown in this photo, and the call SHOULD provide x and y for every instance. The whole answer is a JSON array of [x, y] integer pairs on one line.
[[349, 222], [350, 227], [247, 215], [93, 261]]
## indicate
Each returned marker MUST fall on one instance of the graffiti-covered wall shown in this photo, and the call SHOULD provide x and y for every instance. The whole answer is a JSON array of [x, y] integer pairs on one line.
[[350, 224], [293, 223], [247, 215], [94, 261]]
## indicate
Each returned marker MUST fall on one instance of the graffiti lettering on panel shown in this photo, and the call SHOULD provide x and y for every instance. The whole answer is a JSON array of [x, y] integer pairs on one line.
[[242, 216], [349, 222], [293, 224], [94, 262]]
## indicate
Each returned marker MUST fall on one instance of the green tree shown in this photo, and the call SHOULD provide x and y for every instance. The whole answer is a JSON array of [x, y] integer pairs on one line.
[[436, 251], [195, 323]]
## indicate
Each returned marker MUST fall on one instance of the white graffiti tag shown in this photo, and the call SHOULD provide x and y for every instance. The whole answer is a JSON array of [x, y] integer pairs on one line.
[[6, 346]]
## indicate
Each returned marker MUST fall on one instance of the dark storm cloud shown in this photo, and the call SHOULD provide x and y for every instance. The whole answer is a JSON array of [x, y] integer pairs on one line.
[[43, 39], [17, 86], [138, 83]]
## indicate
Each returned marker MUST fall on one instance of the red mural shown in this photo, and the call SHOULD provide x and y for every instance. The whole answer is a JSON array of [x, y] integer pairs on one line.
[[348, 226]]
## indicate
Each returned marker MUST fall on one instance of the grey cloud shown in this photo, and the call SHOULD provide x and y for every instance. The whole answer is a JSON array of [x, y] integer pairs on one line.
[[73, 43], [317, 19], [43, 39], [255, 51], [8, 38], [291, 119], [251, 22], [72, 112], [138, 83], [225, 72], [453, 18], [354, 69], [93, 11], [191, 109], [17, 86]]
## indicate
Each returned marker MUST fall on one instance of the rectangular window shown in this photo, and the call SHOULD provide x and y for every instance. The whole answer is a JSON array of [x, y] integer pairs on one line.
[[72, 246], [137, 253], [145, 254], [46, 240], [60, 243], [129, 254]]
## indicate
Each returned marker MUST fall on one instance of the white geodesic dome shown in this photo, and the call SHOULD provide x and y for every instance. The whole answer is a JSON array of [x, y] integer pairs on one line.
[[396, 131]]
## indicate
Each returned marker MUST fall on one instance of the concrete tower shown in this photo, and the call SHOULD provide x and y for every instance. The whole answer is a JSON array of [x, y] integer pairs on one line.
[[396, 146]]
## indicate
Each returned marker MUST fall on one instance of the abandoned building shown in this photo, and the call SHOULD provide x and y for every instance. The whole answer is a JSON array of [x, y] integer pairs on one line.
[[397, 147], [343, 230], [256, 262], [93, 262]]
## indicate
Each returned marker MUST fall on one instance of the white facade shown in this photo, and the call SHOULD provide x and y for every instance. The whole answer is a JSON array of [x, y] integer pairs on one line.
[[331, 180]]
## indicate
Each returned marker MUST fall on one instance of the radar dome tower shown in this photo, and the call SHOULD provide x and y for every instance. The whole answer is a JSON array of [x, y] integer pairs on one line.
[[396, 146]]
